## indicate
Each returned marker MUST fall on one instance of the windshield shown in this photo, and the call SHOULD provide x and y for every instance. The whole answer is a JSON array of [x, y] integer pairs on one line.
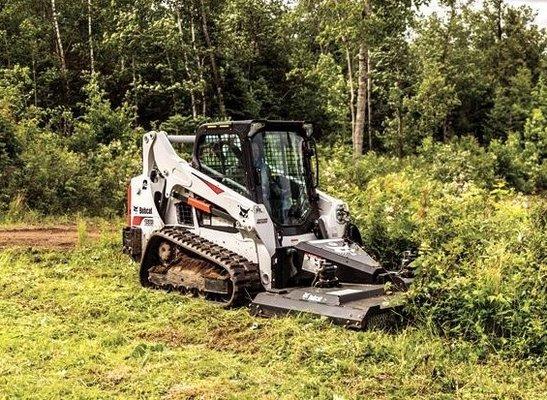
[[279, 161]]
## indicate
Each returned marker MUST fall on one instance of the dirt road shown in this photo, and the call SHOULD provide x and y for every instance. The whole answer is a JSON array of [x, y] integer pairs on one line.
[[57, 237]]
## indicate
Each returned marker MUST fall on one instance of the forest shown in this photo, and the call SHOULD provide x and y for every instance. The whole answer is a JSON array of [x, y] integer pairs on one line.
[[82, 80], [432, 126]]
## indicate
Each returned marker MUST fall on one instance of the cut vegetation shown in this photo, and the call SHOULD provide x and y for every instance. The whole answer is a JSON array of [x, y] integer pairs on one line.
[[54, 237]]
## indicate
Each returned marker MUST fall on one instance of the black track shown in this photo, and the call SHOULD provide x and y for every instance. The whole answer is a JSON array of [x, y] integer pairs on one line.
[[243, 274]]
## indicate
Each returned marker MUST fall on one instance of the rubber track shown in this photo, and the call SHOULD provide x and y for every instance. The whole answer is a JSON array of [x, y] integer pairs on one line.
[[243, 273]]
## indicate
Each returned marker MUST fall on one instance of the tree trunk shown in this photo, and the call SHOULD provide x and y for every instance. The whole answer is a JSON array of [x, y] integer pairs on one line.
[[8, 55], [351, 89], [135, 95], [446, 134], [399, 132], [59, 42], [192, 94], [186, 67], [212, 58], [499, 12], [360, 112], [369, 102], [35, 84], [90, 37], [172, 79], [199, 63]]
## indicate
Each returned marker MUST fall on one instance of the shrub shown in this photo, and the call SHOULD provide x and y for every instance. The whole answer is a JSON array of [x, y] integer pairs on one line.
[[13, 95], [100, 123], [59, 164], [117, 163], [461, 160], [483, 247], [54, 179], [9, 154], [480, 272]]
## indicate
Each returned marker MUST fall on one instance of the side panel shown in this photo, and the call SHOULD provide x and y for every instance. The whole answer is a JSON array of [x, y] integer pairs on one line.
[[246, 247], [142, 212], [331, 209]]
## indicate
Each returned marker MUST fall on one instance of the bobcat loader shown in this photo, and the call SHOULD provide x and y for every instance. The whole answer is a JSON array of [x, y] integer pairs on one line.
[[245, 220]]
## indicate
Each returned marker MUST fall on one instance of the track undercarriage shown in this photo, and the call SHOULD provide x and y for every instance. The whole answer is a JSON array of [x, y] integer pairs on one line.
[[176, 259]]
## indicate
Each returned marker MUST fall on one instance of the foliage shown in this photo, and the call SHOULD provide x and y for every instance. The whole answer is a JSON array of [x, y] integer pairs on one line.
[[69, 164], [99, 123], [472, 71], [182, 125], [482, 246], [13, 85]]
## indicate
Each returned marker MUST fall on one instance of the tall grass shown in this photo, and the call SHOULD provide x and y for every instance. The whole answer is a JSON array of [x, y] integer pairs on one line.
[[78, 325]]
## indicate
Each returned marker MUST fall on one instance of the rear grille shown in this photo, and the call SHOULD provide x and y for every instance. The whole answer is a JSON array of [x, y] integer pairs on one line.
[[184, 214]]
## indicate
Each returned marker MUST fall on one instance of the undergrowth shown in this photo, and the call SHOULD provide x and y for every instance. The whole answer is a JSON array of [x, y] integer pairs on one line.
[[482, 246]]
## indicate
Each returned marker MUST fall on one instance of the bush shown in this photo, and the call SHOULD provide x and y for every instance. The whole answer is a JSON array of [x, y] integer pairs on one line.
[[481, 267], [9, 154], [462, 160], [60, 164], [54, 179], [13, 95], [483, 247], [100, 123]]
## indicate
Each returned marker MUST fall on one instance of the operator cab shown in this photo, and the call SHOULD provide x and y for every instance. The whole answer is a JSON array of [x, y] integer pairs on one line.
[[270, 162]]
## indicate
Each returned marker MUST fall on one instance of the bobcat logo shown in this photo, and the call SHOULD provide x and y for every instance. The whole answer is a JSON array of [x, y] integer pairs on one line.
[[341, 248], [312, 297], [142, 210]]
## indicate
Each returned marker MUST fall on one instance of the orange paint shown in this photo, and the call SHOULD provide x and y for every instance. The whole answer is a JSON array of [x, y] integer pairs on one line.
[[200, 205]]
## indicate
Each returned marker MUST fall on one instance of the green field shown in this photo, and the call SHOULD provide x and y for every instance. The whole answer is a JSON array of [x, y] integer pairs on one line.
[[77, 325]]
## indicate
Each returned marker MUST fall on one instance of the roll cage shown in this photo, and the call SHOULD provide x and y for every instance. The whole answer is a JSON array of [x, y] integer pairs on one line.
[[229, 152]]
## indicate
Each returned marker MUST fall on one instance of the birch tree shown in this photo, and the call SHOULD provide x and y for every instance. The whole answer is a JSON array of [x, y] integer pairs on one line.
[[90, 36]]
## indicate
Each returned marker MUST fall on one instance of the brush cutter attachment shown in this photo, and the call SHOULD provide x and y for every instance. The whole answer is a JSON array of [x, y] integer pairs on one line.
[[349, 286], [353, 306]]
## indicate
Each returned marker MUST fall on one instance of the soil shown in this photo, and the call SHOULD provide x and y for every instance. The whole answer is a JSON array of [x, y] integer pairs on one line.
[[57, 237]]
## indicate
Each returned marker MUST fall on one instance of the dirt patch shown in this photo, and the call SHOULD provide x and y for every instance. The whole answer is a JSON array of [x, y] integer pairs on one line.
[[57, 237]]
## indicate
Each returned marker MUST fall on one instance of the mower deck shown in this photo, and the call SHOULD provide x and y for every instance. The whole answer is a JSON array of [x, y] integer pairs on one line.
[[351, 305]]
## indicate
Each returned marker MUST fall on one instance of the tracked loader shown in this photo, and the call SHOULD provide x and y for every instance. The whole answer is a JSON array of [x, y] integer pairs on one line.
[[244, 222]]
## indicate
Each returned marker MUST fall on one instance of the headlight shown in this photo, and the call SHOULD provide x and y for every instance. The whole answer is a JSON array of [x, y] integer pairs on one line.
[[342, 214]]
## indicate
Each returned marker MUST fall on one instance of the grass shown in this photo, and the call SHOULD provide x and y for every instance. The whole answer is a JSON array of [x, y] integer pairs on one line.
[[77, 325]]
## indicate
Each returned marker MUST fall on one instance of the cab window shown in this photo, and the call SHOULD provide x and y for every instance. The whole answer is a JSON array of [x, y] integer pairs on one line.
[[221, 157]]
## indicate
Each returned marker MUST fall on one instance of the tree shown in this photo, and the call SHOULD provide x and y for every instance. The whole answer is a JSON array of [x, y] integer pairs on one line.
[[90, 34], [213, 55]]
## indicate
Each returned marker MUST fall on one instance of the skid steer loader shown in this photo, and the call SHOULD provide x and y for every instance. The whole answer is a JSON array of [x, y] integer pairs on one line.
[[244, 221]]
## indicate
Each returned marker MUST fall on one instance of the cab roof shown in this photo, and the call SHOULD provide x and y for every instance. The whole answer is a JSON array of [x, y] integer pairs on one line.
[[249, 127]]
